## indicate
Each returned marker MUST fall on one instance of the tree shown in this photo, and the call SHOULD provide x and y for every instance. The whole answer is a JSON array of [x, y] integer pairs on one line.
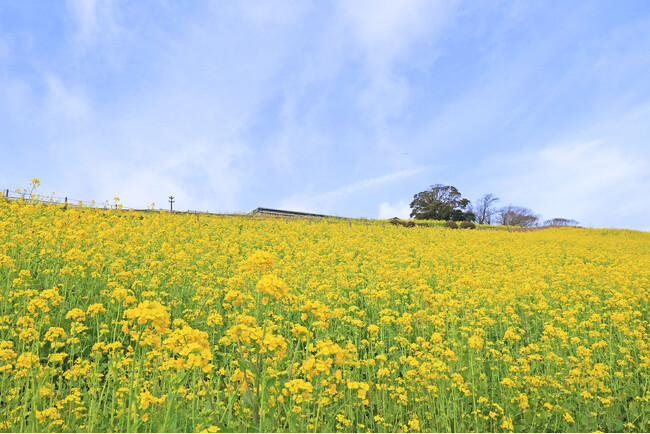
[[441, 203], [517, 216], [561, 222], [484, 208]]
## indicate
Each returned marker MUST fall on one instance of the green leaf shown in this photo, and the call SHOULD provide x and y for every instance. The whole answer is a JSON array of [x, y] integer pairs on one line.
[[616, 425], [247, 364], [529, 416], [247, 400], [172, 424], [172, 396]]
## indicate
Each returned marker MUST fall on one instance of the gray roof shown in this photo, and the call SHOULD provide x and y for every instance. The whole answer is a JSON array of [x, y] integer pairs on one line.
[[284, 212]]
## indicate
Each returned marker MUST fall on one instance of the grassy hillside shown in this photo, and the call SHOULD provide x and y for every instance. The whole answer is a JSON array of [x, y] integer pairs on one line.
[[144, 321]]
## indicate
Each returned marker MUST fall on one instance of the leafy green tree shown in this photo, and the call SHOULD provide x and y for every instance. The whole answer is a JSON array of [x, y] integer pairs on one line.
[[441, 202]]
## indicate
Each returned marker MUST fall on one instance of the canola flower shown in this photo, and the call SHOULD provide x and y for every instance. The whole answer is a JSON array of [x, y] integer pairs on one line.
[[116, 320]]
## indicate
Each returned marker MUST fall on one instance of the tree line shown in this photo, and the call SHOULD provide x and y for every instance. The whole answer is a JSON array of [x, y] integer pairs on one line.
[[445, 202]]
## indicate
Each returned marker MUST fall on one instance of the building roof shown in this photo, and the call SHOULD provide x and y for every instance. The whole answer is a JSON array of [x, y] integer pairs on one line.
[[284, 212]]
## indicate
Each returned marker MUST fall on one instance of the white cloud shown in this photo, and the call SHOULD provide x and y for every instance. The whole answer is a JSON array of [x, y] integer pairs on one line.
[[383, 99], [4, 49], [94, 20], [16, 99], [202, 175], [386, 29], [84, 12], [594, 182], [63, 101], [387, 33], [180, 132], [370, 182], [326, 201], [212, 174], [400, 209], [212, 101]]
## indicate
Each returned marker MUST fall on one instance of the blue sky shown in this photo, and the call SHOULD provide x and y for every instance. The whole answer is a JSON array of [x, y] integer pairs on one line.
[[343, 107]]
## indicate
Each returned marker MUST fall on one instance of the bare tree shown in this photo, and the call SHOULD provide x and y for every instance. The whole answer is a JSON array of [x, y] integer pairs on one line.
[[517, 216], [484, 208], [561, 222]]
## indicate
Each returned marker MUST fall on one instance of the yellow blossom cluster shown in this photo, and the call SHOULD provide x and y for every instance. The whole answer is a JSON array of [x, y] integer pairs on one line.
[[272, 285], [124, 321]]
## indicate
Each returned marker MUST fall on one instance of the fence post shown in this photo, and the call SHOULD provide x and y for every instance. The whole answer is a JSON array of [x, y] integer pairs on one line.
[[65, 205], [7, 193]]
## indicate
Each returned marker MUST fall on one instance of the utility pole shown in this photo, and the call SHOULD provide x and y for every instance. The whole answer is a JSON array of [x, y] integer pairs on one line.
[[171, 203]]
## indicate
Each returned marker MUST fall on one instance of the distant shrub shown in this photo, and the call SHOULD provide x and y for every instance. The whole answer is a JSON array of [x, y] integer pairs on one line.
[[451, 224], [405, 223], [467, 225]]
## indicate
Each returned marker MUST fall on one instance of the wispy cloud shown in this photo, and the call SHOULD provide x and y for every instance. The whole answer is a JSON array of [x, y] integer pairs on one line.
[[95, 21], [326, 201], [596, 183], [387, 30], [63, 101], [4, 49], [233, 105], [400, 209], [387, 35]]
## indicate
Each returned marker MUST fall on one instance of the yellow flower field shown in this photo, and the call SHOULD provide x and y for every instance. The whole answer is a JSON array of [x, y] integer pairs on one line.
[[116, 320]]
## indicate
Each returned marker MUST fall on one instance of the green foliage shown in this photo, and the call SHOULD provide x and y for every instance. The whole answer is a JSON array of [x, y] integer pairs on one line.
[[406, 223], [441, 203], [451, 224]]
